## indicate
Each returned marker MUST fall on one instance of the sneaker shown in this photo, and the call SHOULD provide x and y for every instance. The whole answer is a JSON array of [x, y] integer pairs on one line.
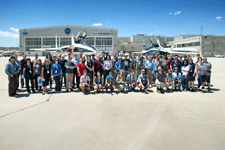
[[203, 87], [162, 91], [67, 90], [209, 89], [146, 92], [71, 90]]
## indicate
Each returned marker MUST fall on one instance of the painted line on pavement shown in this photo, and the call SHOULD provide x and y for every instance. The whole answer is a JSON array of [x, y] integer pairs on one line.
[[143, 135]]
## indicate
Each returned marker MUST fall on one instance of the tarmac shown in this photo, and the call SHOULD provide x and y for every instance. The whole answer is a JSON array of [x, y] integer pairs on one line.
[[133, 121]]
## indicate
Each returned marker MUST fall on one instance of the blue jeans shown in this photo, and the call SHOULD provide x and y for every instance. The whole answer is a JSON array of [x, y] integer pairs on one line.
[[130, 88], [154, 77], [200, 77], [90, 74], [21, 80], [126, 72], [184, 82]]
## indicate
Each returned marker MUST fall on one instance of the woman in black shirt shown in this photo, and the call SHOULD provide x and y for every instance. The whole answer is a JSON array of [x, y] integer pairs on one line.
[[46, 69]]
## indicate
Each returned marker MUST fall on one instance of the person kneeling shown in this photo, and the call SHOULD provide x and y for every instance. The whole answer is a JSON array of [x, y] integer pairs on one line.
[[143, 81], [109, 82], [120, 80], [98, 84], [177, 78], [131, 80], [85, 82], [169, 81], [160, 80]]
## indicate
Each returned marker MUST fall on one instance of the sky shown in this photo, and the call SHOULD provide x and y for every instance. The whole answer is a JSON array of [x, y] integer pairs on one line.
[[162, 17]]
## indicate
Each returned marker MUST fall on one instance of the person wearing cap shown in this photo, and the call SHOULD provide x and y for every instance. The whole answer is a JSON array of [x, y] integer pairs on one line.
[[138, 64], [131, 80], [119, 65], [37, 73], [28, 72], [75, 61], [45, 74], [207, 66], [177, 78], [62, 63], [160, 80], [150, 68], [22, 63], [143, 81], [69, 74], [175, 63], [110, 82], [11, 71], [98, 65], [170, 81], [127, 65], [56, 72], [85, 82], [98, 82]]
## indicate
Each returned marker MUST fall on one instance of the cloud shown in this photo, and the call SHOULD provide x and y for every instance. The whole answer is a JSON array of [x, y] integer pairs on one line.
[[97, 24], [14, 29], [107, 22], [219, 18], [175, 13], [170, 13], [9, 34]]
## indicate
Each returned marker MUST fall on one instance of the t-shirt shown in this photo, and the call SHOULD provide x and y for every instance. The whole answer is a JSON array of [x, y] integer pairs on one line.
[[98, 80], [119, 65], [69, 70], [139, 62], [143, 78], [110, 80], [131, 78], [161, 77], [169, 76], [126, 64], [56, 69], [107, 65], [176, 63], [176, 76], [157, 63], [200, 70], [47, 69], [164, 64], [98, 65], [37, 70], [185, 69], [207, 68], [84, 79], [81, 69]]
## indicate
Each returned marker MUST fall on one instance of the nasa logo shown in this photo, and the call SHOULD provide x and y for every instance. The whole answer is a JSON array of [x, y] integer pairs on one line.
[[67, 30]]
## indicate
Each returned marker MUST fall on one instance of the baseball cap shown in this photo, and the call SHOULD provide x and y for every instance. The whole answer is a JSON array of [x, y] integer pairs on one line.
[[185, 55], [159, 68], [143, 70], [119, 57], [110, 72], [85, 71]]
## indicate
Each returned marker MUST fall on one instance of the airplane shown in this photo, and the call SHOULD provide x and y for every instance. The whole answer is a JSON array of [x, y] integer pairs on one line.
[[75, 48], [157, 48]]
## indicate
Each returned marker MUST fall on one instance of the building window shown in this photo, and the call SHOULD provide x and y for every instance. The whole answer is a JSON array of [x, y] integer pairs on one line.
[[65, 41], [207, 42], [90, 40], [196, 43], [50, 42], [32, 43]]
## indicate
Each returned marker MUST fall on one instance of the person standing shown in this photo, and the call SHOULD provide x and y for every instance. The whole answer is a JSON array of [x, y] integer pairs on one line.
[[10, 70], [62, 63], [127, 65], [75, 61], [138, 64], [56, 72], [157, 63], [185, 69], [98, 65], [89, 66], [175, 63], [18, 73], [49, 57], [103, 58], [107, 66], [80, 70], [22, 63], [37, 73], [93, 58], [114, 60], [45, 73], [164, 63], [150, 67], [28, 73], [207, 73], [69, 74], [199, 72], [131, 80]]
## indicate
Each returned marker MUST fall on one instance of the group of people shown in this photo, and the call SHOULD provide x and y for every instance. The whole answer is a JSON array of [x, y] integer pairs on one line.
[[110, 72]]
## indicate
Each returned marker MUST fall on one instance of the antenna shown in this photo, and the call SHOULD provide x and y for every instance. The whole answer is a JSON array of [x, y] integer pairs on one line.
[[56, 41], [201, 30]]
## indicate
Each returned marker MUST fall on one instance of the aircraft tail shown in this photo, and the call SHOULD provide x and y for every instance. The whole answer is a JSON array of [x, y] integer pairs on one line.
[[72, 40]]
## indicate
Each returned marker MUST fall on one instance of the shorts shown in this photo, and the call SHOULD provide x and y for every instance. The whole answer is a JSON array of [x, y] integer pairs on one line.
[[101, 72], [46, 82], [123, 88], [206, 78], [191, 78], [83, 86]]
